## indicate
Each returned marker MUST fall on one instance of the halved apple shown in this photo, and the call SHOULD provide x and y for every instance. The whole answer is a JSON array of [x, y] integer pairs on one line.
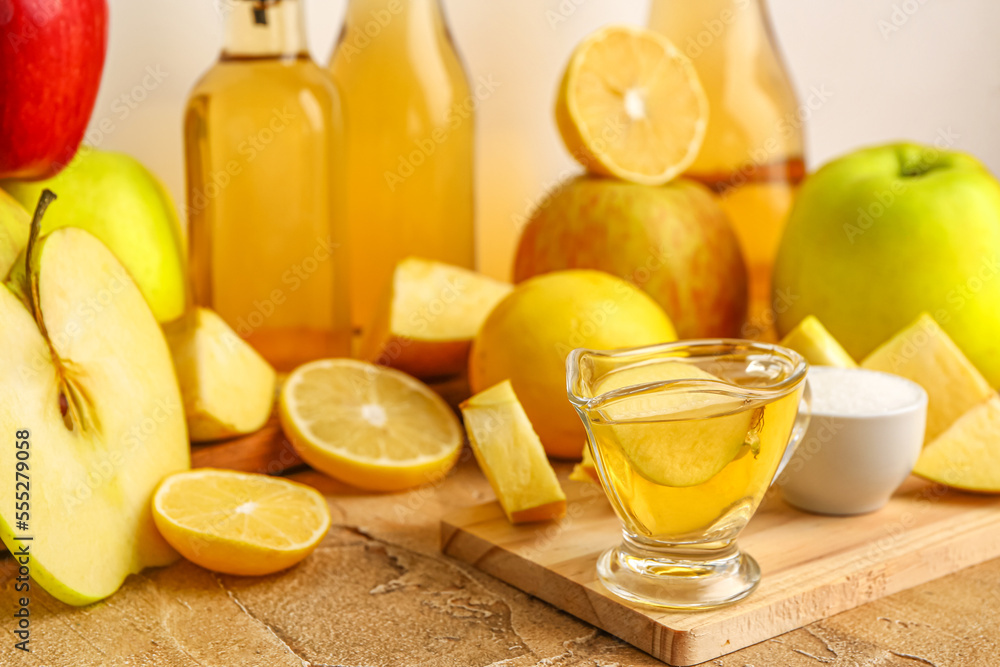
[[228, 388], [85, 370], [817, 345], [966, 455], [924, 353], [14, 223], [425, 325], [511, 456]]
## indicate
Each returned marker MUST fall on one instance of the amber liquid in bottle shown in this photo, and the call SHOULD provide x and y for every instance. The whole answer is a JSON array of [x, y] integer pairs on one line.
[[753, 155], [264, 150], [410, 129]]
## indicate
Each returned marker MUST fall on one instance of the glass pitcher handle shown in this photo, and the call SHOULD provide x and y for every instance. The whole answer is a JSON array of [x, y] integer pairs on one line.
[[798, 430]]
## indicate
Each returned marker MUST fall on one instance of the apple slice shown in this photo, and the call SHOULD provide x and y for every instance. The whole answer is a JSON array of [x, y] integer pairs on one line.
[[586, 469], [426, 323], [817, 345], [228, 388], [14, 223], [511, 456], [966, 455], [924, 353], [85, 369]]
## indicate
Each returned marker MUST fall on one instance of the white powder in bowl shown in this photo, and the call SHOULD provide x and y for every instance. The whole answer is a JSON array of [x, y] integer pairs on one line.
[[859, 392]]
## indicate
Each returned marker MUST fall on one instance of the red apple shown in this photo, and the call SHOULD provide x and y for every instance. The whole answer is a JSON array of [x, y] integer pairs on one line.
[[51, 58], [672, 241]]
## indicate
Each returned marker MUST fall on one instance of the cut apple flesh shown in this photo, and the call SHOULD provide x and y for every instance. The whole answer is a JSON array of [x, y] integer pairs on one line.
[[101, 402], [817, 345], [14, 222], [924, 353], [426, 324], [675, 437], [967, 455], [511, 456], [585, 470], [228, 388]]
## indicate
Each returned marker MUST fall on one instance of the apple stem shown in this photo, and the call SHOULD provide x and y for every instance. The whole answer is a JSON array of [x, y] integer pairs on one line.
[[46, 198]]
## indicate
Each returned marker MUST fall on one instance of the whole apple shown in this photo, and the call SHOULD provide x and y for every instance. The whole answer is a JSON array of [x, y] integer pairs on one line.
[[115, 198], [51, 58], [881, 235], [672, 241]]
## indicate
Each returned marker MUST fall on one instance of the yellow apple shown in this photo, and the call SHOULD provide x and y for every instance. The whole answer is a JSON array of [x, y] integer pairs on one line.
[[115, 198]]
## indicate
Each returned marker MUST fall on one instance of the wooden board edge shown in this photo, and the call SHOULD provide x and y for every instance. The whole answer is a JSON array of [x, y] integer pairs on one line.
[[964, 547]]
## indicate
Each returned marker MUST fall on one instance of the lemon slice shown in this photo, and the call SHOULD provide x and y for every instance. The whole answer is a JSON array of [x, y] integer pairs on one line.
[[239, 523], [370, 426], [631, 106], [679, 437]]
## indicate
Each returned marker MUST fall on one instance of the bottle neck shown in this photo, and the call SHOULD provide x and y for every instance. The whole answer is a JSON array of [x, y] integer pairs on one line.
[[411, 18], [264, 29]]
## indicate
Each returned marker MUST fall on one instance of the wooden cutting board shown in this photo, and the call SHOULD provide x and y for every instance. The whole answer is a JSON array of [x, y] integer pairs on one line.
[[813, 566], [265, 451]]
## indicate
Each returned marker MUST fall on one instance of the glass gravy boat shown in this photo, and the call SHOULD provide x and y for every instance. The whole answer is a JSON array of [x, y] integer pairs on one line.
[[687, 437]]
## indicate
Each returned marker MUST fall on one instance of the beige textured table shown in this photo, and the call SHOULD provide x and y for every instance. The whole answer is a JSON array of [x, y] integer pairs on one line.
[[378, 592]]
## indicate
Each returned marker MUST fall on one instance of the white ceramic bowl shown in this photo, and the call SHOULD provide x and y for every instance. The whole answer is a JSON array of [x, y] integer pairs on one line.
[[866, 432]]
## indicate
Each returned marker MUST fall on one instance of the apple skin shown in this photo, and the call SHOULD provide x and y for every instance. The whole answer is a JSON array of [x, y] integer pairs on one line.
[[879, 236], [672, 241], [118, 200], [51, 59]]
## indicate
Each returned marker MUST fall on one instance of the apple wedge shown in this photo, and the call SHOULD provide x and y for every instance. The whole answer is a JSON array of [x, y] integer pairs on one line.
[[511, 456], [14, 223], [817, 345], [924, 353], [425, 325], [85, 373], [228, 388], [586, 469], [967, 455]]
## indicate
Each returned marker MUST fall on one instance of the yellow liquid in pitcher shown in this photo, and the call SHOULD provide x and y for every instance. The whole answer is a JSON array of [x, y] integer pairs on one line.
[[263, 139], [715, 507], [752, 154], [410, 144]]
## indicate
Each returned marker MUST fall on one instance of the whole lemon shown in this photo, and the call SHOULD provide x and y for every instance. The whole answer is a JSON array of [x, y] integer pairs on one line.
[[529, 334]]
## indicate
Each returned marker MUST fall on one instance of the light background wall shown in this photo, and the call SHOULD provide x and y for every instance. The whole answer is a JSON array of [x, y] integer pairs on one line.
[[893, 69]]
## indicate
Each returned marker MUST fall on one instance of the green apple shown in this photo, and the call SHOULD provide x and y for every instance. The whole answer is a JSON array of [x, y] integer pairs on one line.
[[119, 201], [881, 235], [14, 223], [674, 242], [228, 388], [86, 380]]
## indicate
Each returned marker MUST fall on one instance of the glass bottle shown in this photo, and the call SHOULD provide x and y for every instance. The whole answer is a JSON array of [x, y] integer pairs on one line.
[[264, 152], [752, 155], [410, 119]]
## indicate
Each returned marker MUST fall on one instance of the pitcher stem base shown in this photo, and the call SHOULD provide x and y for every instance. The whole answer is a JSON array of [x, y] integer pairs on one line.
[[678, 578]]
